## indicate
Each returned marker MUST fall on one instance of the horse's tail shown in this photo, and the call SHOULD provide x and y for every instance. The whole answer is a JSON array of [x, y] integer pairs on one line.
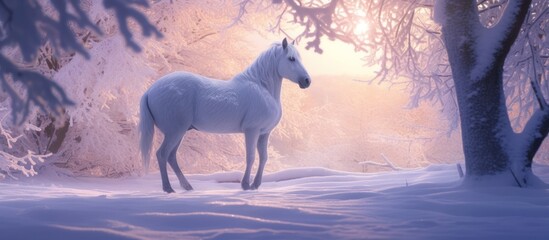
[[146, 130]]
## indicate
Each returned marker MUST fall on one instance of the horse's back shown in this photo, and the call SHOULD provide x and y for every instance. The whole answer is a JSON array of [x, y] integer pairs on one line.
[[171, 100]]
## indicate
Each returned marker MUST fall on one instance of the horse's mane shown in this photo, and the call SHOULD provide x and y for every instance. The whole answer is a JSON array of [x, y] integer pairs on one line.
[[264, 70]]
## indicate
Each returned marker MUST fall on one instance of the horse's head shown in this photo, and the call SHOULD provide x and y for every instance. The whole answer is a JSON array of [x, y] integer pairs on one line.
[[290, 66]]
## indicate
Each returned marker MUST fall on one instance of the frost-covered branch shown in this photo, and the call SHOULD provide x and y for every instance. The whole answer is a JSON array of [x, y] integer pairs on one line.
[[526, 62], [6, 133], [532, 136], [509, 25], [9, 162], [495, 40], [535, 82]]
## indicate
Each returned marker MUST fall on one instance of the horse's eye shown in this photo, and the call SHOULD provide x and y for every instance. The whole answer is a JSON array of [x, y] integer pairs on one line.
[[292, 59]]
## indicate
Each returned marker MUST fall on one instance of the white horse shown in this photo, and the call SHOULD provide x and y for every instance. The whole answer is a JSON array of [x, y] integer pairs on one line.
[[249, 103]]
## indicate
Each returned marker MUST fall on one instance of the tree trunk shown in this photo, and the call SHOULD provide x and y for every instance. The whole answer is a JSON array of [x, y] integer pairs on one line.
[[489, 143], [485, 124]]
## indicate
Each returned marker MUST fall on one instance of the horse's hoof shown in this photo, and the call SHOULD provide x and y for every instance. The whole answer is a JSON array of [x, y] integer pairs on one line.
[[187, 186], [169, 190], [246, 187], [254, 187]]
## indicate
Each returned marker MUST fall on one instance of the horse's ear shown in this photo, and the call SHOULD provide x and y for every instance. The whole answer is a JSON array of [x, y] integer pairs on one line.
[[284, 44], [293, 42]]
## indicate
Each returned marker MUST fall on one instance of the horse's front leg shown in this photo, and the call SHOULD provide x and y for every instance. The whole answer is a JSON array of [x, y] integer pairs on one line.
[[251, 137], [262, 150]]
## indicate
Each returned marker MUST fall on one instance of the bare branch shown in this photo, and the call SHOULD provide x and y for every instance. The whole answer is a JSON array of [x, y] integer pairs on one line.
[[535, 83]]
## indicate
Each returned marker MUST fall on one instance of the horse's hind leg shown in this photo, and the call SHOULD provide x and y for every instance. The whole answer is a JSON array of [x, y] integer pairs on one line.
[[172, 160], [171, 141], [262, 150], [250, 137]]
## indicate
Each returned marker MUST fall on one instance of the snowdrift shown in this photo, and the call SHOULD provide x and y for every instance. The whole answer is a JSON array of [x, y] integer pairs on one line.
[[305, 203]]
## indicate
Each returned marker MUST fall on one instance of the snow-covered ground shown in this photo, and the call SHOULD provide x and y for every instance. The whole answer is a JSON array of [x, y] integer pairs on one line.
[[306, 203]]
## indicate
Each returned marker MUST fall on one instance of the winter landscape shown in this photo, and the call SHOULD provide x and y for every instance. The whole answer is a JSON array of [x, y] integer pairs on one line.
[[383, 119], [299, 203]]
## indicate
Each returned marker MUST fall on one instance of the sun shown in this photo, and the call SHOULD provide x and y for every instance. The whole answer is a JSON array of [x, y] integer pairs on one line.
[[361, 28]]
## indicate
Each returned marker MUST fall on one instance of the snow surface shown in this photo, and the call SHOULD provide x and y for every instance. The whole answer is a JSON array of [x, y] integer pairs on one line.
[[305, 203]]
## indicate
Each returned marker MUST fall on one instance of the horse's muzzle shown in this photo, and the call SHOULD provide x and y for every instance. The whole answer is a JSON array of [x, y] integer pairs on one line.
[[304, 83]]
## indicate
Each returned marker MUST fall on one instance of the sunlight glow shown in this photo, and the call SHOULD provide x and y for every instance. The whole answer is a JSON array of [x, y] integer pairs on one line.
[[338, 58], [361, 28]]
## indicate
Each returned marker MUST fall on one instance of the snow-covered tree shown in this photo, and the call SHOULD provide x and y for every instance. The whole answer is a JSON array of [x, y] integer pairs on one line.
[[484, 61], [37, 38], [477, 56]]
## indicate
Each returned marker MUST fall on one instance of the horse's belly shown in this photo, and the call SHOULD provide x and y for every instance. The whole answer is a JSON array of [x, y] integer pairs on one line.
[[213, 129], [218, 118], [216, 127], [235, 119]]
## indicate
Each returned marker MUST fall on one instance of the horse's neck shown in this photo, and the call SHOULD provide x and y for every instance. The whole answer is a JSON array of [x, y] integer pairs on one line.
[[266, 77], [273, 86]]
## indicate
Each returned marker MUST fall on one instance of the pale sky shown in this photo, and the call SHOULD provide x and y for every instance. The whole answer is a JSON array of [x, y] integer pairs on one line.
[[337, 59]]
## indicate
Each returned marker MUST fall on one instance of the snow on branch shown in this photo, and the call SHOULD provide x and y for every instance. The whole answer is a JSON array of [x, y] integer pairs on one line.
[[497, 37], [532, 136], [9, 163], [535, 84], [6, 133], [525, 64]]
